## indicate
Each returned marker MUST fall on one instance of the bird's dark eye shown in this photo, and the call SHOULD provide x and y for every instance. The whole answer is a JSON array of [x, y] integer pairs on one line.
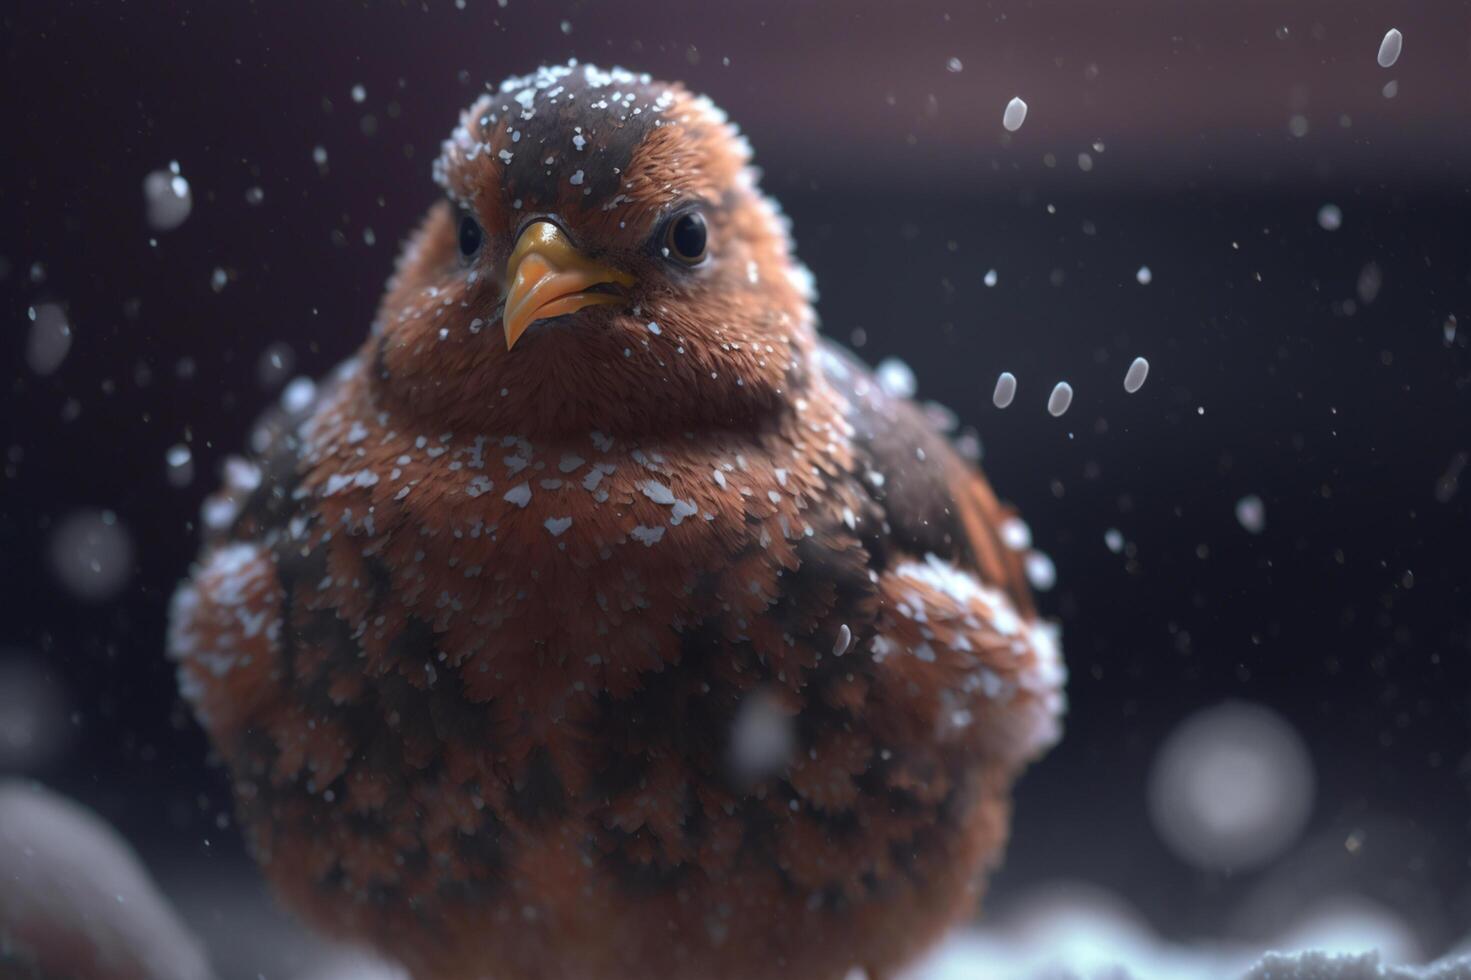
[[470, 235], [685, 239]]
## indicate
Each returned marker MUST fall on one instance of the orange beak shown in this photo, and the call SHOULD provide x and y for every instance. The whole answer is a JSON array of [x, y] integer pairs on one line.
[[549, 277]]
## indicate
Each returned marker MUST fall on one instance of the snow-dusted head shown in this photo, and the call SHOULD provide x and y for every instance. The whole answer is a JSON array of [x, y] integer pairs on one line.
[[603, 259]]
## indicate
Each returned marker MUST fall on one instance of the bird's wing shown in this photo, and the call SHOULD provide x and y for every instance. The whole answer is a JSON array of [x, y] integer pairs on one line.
[[933, 501], [229, 629], [961, 660]]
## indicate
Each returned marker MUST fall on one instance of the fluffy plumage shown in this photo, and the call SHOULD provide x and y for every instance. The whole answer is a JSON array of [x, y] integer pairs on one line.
[[666, 643]]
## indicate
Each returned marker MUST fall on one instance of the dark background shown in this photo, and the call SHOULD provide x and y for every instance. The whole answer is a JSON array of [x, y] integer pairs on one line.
[[1271, 374]]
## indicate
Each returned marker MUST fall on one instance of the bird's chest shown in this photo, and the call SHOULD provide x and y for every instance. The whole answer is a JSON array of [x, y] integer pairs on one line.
[[589, 555]]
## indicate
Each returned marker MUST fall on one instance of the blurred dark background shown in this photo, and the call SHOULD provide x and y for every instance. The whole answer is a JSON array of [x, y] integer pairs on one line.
[[1320, 365]]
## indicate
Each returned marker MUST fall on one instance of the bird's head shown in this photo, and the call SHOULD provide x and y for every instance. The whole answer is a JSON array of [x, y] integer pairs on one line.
[[603, 260]]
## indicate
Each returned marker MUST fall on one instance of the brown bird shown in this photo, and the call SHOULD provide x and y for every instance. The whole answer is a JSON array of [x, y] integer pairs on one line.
[[598, 619]]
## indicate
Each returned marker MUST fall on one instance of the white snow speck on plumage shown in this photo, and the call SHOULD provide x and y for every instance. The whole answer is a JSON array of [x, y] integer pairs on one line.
[[1015, 114], [1060, 399], [520, 494], [298, 395], [556, 525], [657, 492], [648, 536], [1134, 377], [1390, 47], [1005, 390]]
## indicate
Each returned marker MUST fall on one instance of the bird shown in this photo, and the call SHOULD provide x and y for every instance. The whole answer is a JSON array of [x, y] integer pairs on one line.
[[598, 618]]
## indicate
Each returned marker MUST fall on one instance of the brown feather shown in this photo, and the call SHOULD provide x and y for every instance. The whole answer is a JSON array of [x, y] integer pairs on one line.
[[478, 641]]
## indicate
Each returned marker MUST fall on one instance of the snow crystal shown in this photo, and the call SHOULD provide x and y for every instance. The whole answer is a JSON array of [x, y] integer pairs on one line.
[[255, 196], [298, 395], [576, 179], [180, 465], [1144, 276], [990, 279], [1015, 115], [1060, 399], [219, 511], [520, 494], [1330, 217], [1389, 48], [762, 738], [92, 554], [896, 378], [844, 640], [1114, 539], [1015, 534], [1040, 571], [50, 338], [1231, 787], [1251, 513], [1134, 377], [275, 364], [954, 65], [359, 93], [556, 525], [1005, 390], [167, 200]]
